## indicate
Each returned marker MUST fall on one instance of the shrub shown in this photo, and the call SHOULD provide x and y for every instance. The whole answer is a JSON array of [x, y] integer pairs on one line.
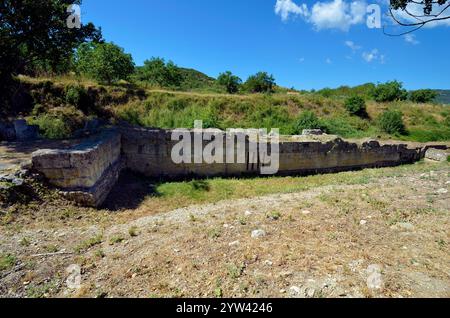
[[391, 122], [261, 82], [230, 82], [389, 92], [422, 96], [157, 72], [59, 122], [307, 120], [76, 95], [356, 105]]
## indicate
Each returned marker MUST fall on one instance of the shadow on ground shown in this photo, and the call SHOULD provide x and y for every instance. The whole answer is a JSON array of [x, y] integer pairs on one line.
[[129, 192]]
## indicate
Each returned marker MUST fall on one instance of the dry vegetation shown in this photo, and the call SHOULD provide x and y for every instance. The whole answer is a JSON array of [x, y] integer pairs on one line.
[[186, 239]]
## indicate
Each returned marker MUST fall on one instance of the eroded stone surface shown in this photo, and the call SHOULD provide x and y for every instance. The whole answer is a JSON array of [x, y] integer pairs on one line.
[[87, 172]]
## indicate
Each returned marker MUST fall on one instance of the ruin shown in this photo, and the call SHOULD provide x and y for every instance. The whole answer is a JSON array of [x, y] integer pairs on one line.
[[86, 173]]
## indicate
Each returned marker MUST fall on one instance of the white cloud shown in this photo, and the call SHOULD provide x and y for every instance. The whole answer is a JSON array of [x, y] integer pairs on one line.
[[284, 8], [334, 14], [337, 14], [374, 55], [352, 45], [411, 38]]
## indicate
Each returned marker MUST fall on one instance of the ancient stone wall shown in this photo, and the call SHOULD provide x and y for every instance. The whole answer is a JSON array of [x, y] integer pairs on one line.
[[149, 152], [88, 172]]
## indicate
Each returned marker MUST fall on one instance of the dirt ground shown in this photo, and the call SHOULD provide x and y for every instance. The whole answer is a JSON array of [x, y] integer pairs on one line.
[[388, 237]]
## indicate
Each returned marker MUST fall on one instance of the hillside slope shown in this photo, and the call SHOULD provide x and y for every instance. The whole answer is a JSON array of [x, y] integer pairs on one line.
[[66, 103]]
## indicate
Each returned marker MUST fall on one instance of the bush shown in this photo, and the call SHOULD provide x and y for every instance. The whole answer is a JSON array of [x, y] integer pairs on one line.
[[422, 96], [230, 82], [59, 123], [391, 122], [356, 105], [307, 120], [389, 92], [76, 95], [157, 72], [261, 82]]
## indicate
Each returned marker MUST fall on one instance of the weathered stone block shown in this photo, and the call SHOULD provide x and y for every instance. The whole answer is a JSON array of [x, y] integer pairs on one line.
[[437, 154]]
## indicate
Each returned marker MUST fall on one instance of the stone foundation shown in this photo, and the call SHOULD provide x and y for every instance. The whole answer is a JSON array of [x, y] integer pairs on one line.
[[87, 173]]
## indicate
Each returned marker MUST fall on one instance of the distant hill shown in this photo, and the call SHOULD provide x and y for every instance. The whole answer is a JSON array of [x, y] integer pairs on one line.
[[443, 96], [193, 79]]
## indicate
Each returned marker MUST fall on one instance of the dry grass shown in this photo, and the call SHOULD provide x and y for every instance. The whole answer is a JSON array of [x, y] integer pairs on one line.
[[206, 249]]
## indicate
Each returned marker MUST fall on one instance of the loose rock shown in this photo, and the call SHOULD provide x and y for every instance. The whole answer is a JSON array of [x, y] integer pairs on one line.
[[258, 233]]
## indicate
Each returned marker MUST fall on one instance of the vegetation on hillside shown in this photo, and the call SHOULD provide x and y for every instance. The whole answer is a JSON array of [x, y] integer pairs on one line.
[[69, 81]]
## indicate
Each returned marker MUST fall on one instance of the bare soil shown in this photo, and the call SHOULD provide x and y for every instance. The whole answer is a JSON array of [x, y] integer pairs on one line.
[[315, 243]]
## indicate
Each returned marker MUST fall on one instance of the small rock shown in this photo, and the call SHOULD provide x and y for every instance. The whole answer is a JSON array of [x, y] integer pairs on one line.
[[306, 212], [233, 243], [282, 291], [363, 222], [268, 263], [442, 191], [226, 226], [258, 233], [134, 275], [247, 213]]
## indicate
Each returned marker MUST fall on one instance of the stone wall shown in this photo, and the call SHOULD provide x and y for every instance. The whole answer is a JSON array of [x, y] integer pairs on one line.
[[85, 173], [88, 172], [149, 152]]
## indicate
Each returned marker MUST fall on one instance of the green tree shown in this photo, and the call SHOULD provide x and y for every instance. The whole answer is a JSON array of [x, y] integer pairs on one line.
[[157, 72], [35, 33], [356, 105], [391, 122], [423, 96], [389, 92], [261, 82], [230, 82], [105, 62]]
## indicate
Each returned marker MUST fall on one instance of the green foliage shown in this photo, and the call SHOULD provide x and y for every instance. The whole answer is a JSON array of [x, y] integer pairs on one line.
[[34, 34], [230, 82], [104, 62], [76, 95], [7, 261], [261, 82], [364, 90], [389, 92], [423, 96], [307, 120], [391, 122], [91, 242], [356, 105], [59, 123], [157, 72]]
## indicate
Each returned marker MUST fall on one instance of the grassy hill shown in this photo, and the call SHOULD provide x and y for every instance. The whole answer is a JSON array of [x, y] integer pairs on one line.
[[195, 80], [58, 115]]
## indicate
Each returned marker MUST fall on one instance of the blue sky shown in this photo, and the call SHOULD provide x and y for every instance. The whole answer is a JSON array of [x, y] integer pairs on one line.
[[301, 46]]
